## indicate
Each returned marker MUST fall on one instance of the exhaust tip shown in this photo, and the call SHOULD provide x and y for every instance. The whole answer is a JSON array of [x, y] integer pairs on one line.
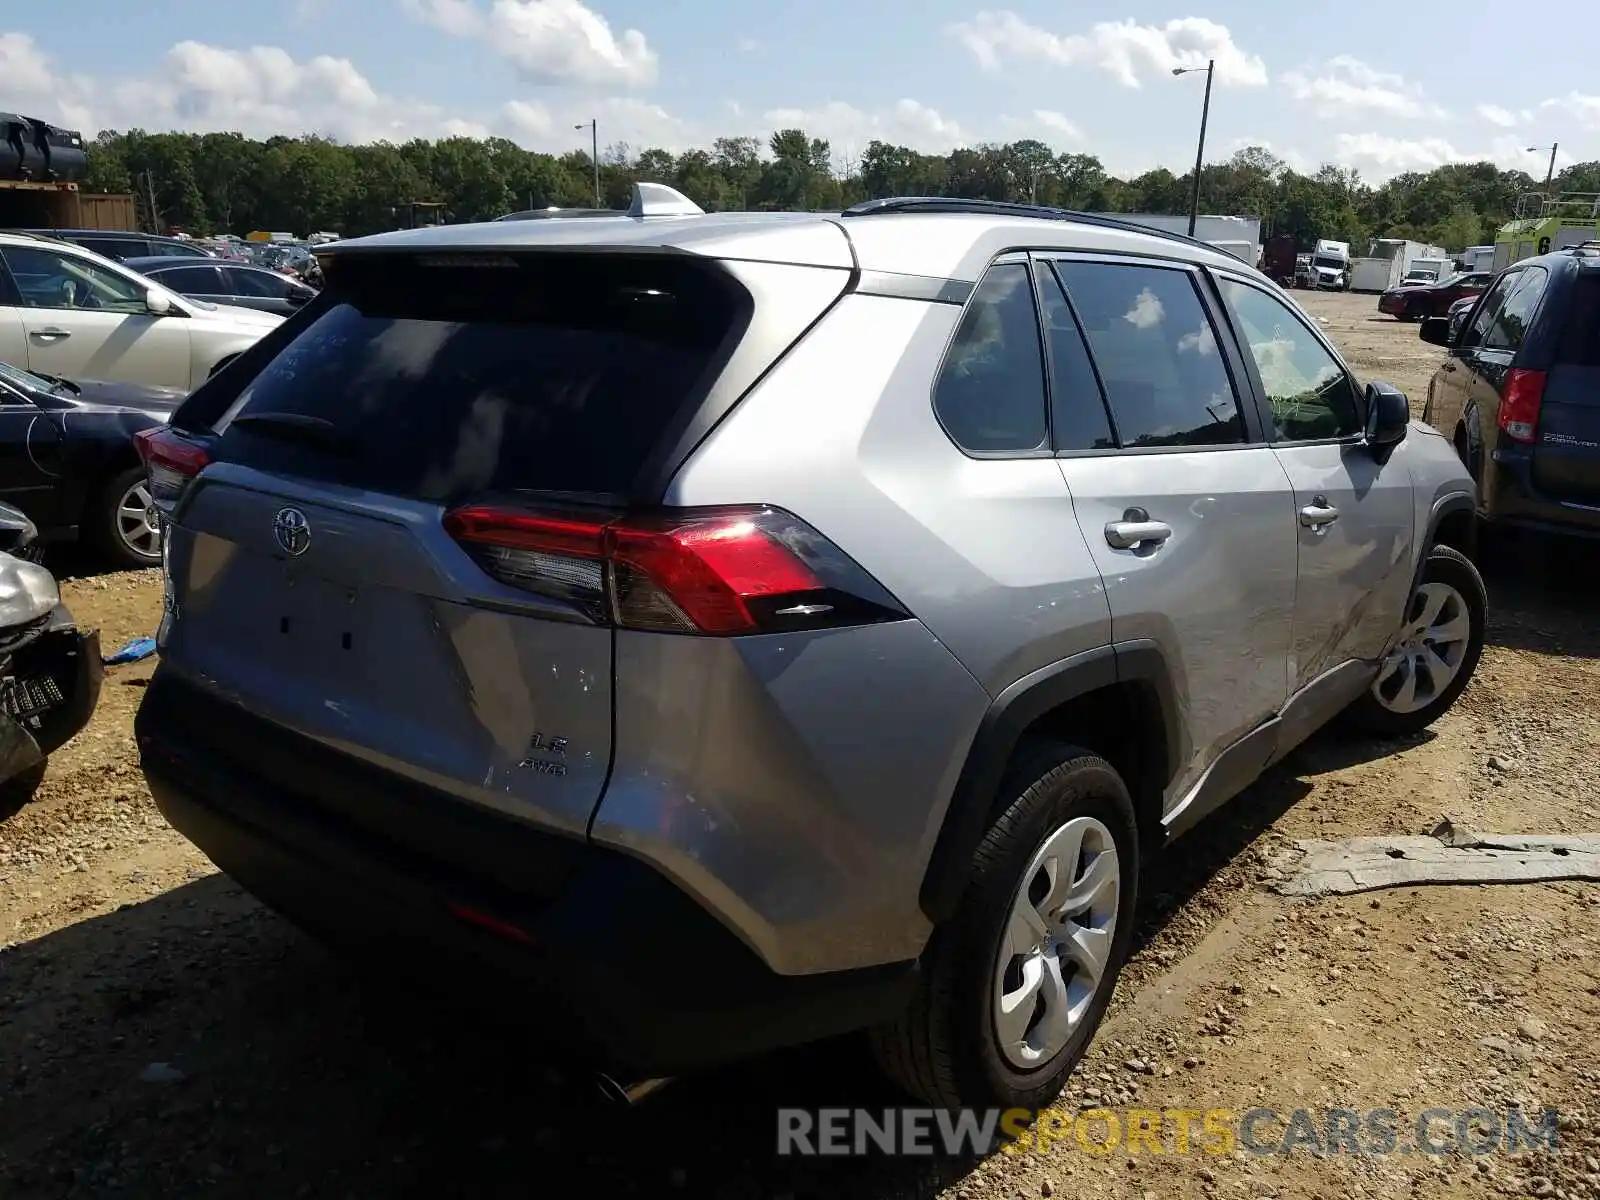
[[626, 1095]]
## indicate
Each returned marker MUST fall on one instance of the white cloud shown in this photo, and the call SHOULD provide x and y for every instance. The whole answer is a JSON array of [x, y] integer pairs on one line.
[[263, 90], [623, 120], [849, 129], [458, 17], [1126, 50], [1496, 115], [749, 45], [548, 41], [1059, 124], [1343, 86], [1585, 109], [33, 86], [1380, 156]]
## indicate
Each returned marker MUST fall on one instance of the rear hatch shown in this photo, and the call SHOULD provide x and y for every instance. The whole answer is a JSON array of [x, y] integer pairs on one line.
[[1566, 458], [315, 581]]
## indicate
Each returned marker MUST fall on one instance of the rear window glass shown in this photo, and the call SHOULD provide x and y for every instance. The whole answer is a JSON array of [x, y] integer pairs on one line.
[[1580, 337], [433, 379]]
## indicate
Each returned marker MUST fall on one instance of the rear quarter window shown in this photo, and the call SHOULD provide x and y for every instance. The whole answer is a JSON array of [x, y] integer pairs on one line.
[[443, 376]]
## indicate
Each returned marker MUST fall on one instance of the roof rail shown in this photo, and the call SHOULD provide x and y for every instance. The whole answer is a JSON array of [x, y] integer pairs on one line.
[[1007, 208]]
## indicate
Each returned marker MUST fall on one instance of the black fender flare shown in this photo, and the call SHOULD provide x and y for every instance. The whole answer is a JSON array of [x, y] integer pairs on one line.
[[1443, 506], [1012, 712]]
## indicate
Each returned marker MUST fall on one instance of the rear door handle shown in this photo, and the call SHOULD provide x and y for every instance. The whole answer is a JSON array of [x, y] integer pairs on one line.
[[1318, 515], [1128, 534], [52, 333]]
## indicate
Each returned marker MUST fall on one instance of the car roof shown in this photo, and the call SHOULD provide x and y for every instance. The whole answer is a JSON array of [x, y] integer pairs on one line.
[[934, 237]]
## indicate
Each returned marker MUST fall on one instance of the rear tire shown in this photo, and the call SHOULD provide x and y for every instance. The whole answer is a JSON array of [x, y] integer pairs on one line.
[[122, 523], [1438, 650], [1058, 871]]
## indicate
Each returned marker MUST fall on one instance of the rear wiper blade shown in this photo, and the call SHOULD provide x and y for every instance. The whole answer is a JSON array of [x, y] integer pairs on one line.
[[298, 426]]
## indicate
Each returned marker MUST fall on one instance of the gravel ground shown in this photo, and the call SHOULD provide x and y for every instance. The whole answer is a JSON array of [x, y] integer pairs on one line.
[[162, 1035]]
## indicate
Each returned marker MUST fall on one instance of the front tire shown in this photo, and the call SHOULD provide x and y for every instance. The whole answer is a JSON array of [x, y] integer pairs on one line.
[[1438, 649], [1016, 983], [123, 522]]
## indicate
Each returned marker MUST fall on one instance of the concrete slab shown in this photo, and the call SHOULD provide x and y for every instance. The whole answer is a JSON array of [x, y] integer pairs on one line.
[[1450, 854]]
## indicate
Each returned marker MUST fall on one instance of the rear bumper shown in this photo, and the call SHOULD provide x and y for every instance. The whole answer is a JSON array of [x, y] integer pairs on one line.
[[54, 686], [592, 947], [1512, 499]]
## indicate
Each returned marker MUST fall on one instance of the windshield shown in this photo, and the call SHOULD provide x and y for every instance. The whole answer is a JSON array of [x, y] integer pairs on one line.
[[24, 379], [1329, 260]]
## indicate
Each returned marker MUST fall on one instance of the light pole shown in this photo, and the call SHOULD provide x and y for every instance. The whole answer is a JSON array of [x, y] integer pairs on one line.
[[593, 126], [1550, 171], [1200, 150]]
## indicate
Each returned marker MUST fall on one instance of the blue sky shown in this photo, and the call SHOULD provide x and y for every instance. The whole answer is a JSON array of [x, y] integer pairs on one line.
[[1301, 79]]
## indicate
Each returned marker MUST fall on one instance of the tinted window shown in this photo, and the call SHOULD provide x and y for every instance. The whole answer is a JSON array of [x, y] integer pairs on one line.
[[1509, 325], [437, 381], [1580, 336], [48, 278], [256, 283], [194, 281], [1157, 355], [1308, 391], [114, 248], [990, 393], [1490, 305], [1078, 411], [177, 250]]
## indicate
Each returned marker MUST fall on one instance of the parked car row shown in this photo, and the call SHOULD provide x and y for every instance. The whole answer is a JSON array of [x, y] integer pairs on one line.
[[92, 353]]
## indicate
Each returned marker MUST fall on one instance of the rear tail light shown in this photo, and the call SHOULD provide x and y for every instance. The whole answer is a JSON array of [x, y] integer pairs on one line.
[[719, 572], [1519, 403], [170, 462]]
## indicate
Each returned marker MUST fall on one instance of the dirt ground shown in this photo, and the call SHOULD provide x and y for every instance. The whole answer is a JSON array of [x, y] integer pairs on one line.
[[163, 1035]]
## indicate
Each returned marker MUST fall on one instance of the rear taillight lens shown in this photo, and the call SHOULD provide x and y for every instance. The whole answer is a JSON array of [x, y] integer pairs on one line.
[[170, 462], [720, 572], [1519, 403]]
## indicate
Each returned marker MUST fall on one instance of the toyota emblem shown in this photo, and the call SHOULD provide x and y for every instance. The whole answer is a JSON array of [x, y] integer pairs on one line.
[[292, 531]]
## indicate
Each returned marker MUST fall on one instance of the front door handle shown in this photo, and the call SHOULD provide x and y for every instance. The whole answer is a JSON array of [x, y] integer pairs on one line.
[[1136, 529], [51, 334], [1318, 515]]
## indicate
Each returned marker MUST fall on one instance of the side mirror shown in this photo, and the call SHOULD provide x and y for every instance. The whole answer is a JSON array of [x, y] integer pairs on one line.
[[1388, 417], [1436, 331], [156, 303]]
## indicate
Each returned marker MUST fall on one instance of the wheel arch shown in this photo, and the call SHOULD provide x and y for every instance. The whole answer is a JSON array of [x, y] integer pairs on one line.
[[1116, 700], [1451, 522]]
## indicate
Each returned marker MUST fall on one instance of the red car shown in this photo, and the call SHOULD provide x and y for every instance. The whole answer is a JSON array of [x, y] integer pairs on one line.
[[1415, 301]]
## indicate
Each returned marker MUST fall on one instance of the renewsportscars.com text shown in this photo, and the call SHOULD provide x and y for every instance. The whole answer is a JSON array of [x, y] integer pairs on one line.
[[1176, 1131]]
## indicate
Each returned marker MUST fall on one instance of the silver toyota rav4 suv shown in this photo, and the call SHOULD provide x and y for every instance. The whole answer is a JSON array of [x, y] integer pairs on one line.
[[712, 632]]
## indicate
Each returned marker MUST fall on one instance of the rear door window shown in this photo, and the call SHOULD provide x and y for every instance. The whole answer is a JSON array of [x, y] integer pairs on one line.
[[1078, 410], [114, 248], [192, 281], [1509, 326], [442, 376], [1157, 355], [244, 282]]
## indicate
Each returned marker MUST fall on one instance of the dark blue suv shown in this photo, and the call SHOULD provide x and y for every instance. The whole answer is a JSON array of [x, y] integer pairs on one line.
[[1520, 393]]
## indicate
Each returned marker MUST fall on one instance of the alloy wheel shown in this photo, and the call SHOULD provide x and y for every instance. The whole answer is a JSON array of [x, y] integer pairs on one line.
[[1056, 946], [1429, 654], [138, 524]]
